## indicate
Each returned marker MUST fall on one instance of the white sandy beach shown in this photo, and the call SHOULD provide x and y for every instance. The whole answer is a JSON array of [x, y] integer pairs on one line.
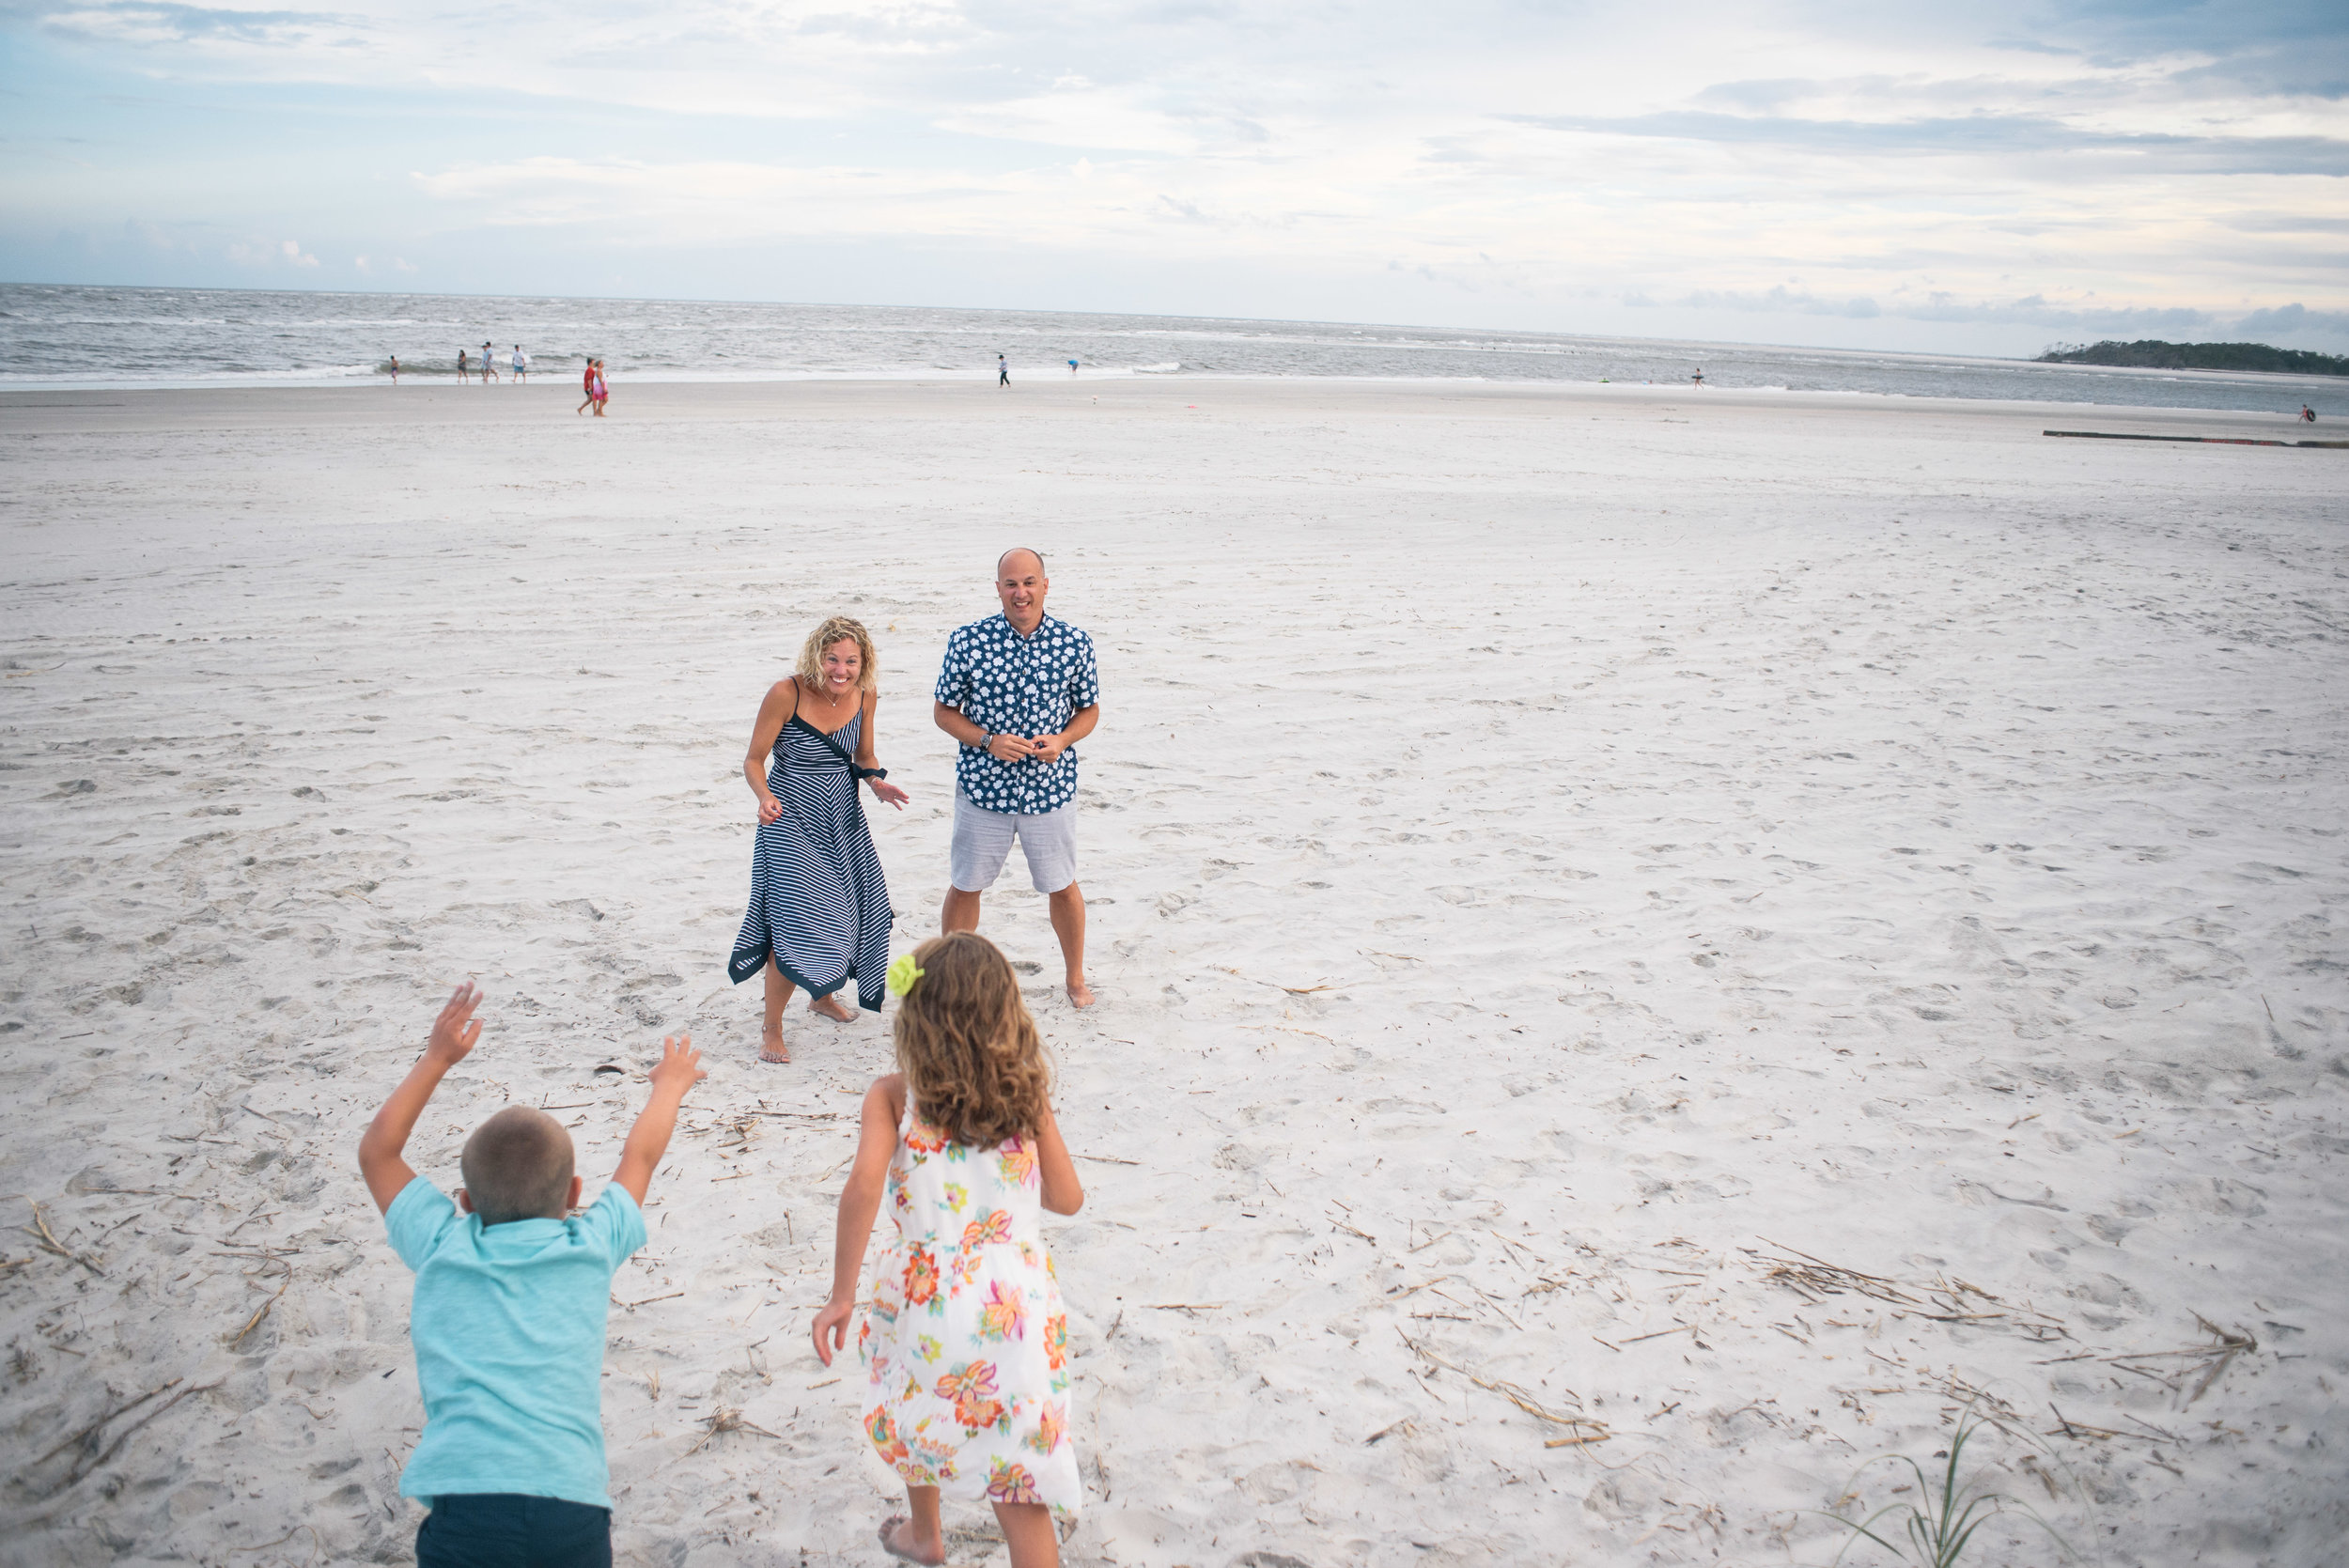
[[1556, 856]]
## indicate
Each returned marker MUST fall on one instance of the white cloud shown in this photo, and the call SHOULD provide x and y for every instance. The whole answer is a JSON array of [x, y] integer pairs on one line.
[[219, 30], [1826, 160], [266, 252]]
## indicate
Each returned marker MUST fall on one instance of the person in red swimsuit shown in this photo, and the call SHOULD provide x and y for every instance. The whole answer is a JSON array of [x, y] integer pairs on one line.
[[587, 385]]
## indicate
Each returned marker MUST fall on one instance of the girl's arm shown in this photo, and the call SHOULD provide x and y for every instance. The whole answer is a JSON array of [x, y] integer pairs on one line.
[[859, 1201], [783, 700], [882, 789], [1063, 1192]]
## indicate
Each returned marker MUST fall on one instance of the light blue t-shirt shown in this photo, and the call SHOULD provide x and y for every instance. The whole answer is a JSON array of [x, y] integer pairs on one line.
[[508, 1325]]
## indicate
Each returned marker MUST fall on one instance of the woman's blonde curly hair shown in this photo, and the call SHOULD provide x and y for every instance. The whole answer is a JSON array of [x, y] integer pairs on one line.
[[838, 629], [972, 1060]]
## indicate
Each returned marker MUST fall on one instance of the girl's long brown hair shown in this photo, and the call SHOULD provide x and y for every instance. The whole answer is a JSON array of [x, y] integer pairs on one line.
[[969, 1049]]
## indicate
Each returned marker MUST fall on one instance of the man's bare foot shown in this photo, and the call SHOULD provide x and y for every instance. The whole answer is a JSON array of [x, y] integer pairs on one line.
[[772, 1047], [898, 1538], [828, 1005], [1079, 994]]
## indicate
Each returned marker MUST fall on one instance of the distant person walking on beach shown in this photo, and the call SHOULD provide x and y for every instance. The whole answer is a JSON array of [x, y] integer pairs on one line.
[[1072, 367], [602, 393], [819, 913], [1699, 378], [2308, 415], [489, 364], [587, 387], [396, 371], [465, 366], [1002, 371], [521, 364], [1018, 689]]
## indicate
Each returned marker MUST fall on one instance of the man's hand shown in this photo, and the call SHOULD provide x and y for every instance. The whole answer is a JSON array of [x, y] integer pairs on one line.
[[679, 1068], [1011, 747], [1048, 748], [456, 1030]]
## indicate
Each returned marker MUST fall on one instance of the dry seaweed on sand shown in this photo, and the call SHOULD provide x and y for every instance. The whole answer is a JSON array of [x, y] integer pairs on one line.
[[1581, 1429], [89, 1456], [1815, 1281], [2211, 1360], [40, 1231], [315, 1546], [1942, 1301], [726, 1418], [2229, 1347], [266, 1260], [2078, 1430], [740, 1130]]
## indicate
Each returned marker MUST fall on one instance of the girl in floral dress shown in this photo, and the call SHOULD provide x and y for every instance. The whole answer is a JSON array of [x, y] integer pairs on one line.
[[964, 1342]]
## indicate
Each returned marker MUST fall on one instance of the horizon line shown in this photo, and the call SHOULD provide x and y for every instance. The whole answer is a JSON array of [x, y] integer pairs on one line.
[[1022, 310]]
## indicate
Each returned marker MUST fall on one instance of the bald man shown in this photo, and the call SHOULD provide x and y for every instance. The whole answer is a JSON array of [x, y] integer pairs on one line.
[[1018, 691]]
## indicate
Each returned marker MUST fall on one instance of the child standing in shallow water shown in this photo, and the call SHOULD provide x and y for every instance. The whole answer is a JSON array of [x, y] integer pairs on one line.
[[965, 1344]]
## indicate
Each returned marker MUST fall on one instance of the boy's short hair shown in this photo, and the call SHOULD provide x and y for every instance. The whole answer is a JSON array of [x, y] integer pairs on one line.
[[518, 1166]]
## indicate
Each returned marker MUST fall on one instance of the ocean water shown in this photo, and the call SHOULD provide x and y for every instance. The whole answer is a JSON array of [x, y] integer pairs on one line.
[[62, 336]]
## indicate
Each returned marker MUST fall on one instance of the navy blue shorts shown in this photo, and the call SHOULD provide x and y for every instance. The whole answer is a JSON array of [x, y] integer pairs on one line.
[[508, 1530]]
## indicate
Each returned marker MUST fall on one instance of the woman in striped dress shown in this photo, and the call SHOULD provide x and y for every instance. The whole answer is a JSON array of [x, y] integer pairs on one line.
[[820, 910]]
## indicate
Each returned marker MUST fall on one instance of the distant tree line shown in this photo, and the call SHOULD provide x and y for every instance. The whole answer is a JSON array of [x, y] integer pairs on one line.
[[2151, 353]]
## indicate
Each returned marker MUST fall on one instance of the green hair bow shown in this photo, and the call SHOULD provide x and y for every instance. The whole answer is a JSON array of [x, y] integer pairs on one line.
[[903, 973]]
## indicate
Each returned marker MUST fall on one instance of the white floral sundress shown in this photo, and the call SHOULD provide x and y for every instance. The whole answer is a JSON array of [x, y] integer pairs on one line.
[[964, 1342]]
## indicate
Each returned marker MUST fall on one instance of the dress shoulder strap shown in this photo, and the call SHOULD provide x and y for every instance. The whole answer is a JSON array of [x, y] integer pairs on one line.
[[782, 747]]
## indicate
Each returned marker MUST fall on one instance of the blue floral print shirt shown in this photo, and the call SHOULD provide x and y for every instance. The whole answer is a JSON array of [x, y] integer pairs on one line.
[[1008, 684]]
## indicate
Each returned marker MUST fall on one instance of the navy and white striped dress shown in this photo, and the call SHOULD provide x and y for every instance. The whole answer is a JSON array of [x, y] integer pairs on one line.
[[819, 906]]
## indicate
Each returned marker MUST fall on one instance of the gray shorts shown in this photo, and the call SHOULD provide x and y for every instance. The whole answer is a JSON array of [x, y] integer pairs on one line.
[[982, 841]]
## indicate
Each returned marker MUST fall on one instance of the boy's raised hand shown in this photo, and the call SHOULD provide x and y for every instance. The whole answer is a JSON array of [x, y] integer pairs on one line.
[[382, 1148], [678, 1070], [679, 1067], [456, 1030]]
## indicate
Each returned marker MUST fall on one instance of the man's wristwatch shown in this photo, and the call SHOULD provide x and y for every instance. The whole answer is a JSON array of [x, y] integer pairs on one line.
[[986, 740]]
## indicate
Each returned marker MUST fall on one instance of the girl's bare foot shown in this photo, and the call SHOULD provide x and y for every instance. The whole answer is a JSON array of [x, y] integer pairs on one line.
[[772, 1047], [828, 1005], [1079, 994], [898, 1540]]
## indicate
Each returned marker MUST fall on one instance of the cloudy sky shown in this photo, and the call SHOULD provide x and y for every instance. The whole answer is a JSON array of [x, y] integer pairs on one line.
[[1989, 177]]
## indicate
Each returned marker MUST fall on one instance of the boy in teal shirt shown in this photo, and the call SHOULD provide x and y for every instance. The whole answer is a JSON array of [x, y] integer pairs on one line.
[[508, 1316]]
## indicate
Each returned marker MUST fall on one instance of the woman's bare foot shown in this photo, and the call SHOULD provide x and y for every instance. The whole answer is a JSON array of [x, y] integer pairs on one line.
[[772, 1047], [1079, 994], [828, 1005], [898, 1540]]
